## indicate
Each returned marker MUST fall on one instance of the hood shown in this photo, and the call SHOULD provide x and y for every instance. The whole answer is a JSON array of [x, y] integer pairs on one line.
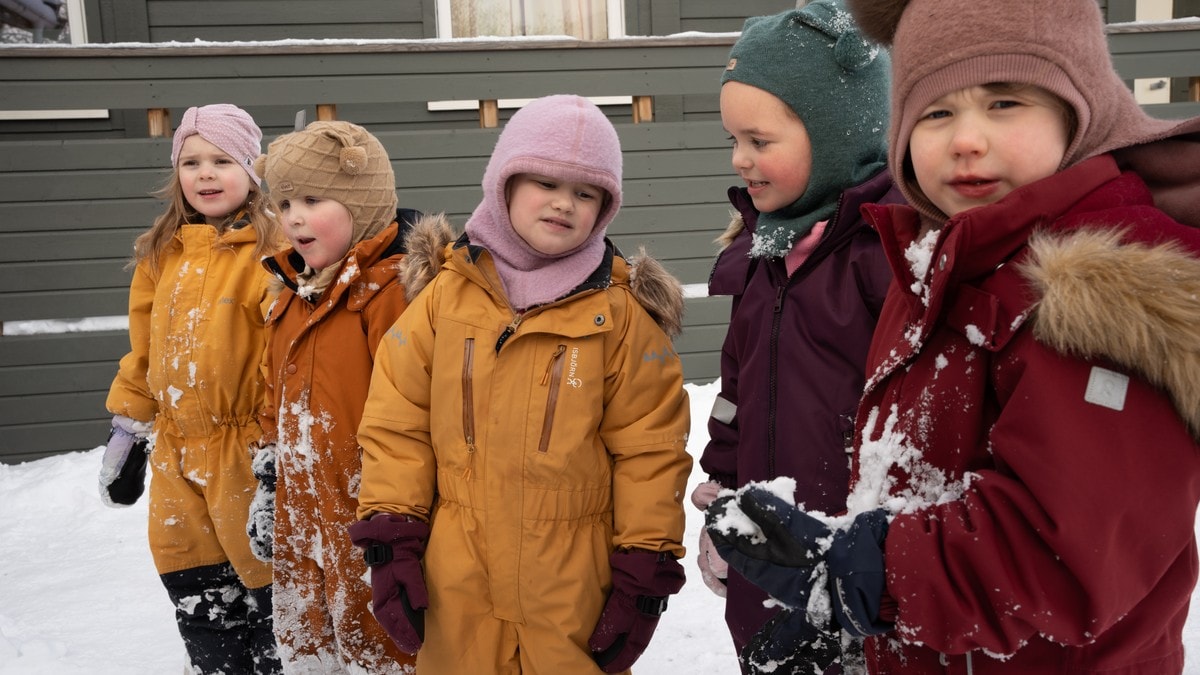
[[1131, 302]]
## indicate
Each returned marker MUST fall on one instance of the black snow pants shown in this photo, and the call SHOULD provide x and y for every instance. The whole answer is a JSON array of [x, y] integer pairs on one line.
[[226, 627]]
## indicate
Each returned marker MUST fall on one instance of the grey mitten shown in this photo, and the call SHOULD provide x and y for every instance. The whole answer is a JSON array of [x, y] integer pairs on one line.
[[260, 525], [123, 468]]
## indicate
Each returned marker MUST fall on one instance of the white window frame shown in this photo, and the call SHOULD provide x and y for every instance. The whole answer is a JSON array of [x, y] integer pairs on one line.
[[616, 29], [77, 24]]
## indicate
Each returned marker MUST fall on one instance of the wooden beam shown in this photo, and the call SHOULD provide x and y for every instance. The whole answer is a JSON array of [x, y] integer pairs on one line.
[[643, 109], [489, 114], [1194, 89], [326, 112], [159, 120]]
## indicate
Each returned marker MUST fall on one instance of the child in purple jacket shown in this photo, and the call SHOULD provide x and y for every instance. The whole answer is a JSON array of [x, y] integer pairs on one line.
[[804, 99]]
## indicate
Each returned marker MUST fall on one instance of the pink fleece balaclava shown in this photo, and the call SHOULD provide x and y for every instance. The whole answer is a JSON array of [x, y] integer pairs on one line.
[[565, 137], [940, 46], [226, 126]]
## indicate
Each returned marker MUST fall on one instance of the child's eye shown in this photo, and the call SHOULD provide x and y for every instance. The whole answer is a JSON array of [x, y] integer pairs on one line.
[[936, 115], [1005, 104], [759, 143], [224, 160], [188, 162], [587, 196], [732, 140], [312, 200], [284, 205], [549, 185]]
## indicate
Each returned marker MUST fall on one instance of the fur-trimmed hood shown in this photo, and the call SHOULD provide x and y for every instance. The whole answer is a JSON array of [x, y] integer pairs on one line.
[[658, 291], [1134, 303]]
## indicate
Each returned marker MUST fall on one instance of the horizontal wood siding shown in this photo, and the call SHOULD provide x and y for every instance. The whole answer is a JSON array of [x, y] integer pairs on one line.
[[72, 202], [257, 20]]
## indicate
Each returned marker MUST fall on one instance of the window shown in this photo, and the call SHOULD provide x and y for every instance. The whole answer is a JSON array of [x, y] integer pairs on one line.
[[29, 25], [583, 19]]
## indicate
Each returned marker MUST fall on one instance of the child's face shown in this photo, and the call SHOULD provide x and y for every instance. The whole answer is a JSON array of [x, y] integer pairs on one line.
[[319, 229], [973, 146], [771, 149], [212, 181], [551, 215]]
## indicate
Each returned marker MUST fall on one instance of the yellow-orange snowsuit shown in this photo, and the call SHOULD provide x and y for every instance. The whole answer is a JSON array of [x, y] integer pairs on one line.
[[535, 447], [196, 342], [319, 359]]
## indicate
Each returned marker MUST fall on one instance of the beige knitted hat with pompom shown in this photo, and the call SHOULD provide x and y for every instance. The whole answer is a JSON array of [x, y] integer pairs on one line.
[[339, 161]]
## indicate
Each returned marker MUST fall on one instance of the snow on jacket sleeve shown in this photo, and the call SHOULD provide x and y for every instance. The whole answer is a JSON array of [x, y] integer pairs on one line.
[[1086, 517], [129, 394]]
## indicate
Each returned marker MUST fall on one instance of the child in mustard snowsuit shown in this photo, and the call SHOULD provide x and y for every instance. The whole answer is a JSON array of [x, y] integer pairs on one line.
[[335, 194], [190, 388], [526, 425]]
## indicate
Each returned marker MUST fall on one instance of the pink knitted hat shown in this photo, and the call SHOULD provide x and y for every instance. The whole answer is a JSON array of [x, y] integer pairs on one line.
[[940, 46], [226, 126], [565, 137]]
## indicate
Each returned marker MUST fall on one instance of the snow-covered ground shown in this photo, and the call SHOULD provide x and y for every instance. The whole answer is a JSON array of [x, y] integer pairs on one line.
[[79, 595]]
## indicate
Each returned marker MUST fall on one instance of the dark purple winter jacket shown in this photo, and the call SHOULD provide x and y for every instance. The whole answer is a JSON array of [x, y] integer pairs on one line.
[[792, 365]]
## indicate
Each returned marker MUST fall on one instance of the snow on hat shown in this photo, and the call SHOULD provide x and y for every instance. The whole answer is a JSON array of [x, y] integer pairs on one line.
[[941, 46], [226, 126], [816, 61], [564, 137], [339, 161]]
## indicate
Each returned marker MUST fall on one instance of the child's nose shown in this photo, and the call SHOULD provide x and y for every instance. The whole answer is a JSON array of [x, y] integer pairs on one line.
[[968, 139], [740, 159]]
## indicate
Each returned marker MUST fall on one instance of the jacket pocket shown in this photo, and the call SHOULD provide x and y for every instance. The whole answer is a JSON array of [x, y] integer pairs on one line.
[[552, 377]]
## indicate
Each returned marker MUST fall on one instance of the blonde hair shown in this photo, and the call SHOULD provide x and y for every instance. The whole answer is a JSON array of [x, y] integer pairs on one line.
[[152, 244]]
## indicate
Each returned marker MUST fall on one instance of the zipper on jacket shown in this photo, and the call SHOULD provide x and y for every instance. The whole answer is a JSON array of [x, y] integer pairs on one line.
[[773, 380], [468, 393], [508, 331], [553, 377]]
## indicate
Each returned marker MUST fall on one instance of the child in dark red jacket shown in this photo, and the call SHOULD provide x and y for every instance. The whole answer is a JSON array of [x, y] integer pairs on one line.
[[1027, 468]]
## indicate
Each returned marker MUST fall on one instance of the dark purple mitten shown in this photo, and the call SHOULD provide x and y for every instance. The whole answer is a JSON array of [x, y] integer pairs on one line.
[[641, 582], [392, 547]]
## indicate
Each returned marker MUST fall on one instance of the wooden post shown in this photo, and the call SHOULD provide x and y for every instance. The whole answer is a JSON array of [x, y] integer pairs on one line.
[[159, 120], [1194, 89], [489, 114], [643, 109], [326, 112]]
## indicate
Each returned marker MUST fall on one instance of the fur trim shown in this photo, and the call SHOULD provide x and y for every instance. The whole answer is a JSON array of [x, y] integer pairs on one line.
[[658, 291], [1132, 303], [877, 19], [735, 227], [425, 244]]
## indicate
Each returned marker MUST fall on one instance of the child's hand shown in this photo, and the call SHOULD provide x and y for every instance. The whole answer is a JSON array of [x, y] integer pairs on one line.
[[642, 580], [123, 469], [260, 525], [393, 546]]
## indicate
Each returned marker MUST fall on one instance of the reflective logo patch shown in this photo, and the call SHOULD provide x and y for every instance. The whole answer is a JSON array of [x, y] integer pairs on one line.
[[1107, 388]]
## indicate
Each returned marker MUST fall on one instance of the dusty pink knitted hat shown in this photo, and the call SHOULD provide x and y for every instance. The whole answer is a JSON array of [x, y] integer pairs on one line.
[[564, 137], [226, 126], [940, 46]]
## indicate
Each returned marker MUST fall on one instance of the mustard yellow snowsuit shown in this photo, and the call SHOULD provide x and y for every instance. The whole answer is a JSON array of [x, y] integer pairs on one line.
[[196, 342], [535, 446]]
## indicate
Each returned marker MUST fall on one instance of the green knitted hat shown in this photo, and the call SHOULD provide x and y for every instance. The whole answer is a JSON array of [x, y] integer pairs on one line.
[[816, 61]]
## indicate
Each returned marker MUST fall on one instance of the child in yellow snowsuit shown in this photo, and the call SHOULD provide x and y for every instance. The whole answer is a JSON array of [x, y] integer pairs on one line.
[[527, 422], [190, 388]]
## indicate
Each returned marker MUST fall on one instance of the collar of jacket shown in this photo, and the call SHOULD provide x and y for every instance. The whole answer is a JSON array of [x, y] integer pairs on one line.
[[600, 278], [368, 277], [978, 241], [732, 268]]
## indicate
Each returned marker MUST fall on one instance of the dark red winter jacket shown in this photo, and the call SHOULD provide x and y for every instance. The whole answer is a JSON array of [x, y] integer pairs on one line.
[[792, 365], [1033, 409]]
